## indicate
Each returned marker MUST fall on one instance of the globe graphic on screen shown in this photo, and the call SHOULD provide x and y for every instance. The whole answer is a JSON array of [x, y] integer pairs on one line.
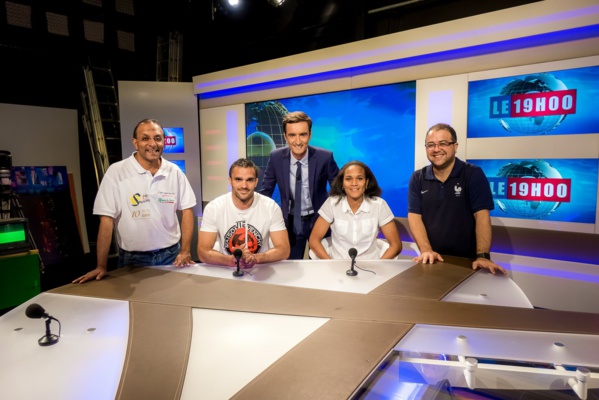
[[264, 132], [266, 117], [537, 83], [259, 144], [525, 208]]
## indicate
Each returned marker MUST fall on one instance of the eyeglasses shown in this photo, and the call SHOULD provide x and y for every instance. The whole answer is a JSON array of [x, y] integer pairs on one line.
[[442, 144], [146, 139]]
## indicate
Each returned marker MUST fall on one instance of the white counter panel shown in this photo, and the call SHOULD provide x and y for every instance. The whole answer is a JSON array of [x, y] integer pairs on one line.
[[86, 362], [488, 289], [229, 349], [312, 274]]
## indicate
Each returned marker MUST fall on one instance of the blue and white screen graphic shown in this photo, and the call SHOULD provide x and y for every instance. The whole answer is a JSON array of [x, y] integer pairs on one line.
[[179, 163], [544, 103], [375, 125], [173, 140], [562, 190]]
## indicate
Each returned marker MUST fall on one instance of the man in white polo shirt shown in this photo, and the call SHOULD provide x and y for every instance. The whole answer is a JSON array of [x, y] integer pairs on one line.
[[140, 196]]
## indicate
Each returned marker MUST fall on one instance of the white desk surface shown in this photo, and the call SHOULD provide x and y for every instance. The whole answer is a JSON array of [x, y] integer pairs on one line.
[[481, 288], [312, 274], [87, 361], [486, 288]]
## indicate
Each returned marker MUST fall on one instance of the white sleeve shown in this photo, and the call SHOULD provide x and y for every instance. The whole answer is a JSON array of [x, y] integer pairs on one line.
[[187, 198], [107, 200], [209, 219], [385, 213], [277, 223], [326, 210]]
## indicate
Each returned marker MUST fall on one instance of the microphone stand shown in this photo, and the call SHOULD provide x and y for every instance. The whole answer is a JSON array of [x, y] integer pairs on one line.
[[48, 339], [352, 271], [237, 272]]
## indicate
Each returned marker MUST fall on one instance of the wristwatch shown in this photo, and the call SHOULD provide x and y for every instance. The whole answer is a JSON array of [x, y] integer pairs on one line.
[[484, 255]]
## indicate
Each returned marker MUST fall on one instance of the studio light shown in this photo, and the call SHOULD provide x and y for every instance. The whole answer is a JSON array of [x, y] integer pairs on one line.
[[276, 3], [233, 3]]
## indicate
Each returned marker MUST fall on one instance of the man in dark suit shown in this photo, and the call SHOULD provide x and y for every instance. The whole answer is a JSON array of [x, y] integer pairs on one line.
[[299, 167]]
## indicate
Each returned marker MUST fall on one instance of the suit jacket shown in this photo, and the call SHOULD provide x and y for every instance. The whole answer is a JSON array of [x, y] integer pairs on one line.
[[322, 168]]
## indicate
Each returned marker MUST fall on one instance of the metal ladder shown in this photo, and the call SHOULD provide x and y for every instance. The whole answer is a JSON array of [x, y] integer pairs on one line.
[[169, 64], [101, 119], [101, 122]]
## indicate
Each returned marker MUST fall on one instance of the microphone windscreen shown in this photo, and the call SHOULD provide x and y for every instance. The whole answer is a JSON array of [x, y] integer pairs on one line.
[[34, 310], [352, 252], [237, 253]]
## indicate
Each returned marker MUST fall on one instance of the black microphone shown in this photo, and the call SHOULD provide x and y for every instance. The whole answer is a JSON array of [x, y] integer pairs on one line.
[[35, 311], [237, 254], [352, 253]]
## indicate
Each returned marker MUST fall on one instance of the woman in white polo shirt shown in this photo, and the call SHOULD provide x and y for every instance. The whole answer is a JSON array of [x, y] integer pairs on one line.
[[355, 213]]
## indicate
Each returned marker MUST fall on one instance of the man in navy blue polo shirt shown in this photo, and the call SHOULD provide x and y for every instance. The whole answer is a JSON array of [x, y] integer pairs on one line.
[[448, 204]]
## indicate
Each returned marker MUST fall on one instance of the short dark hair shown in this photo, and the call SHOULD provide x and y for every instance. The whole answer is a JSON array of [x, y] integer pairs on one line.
[[146, 121], [295, 117], [442, 127], [372, 189], [243, 163]]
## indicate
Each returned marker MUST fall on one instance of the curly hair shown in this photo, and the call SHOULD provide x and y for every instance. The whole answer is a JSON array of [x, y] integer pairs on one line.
[[372, 189]]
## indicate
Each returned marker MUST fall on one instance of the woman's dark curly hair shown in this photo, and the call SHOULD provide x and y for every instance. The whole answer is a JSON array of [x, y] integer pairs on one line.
[[372, 189]]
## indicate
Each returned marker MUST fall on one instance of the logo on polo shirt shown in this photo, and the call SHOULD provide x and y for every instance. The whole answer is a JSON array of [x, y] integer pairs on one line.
[[166, 197], [458, 190], [138, 199]]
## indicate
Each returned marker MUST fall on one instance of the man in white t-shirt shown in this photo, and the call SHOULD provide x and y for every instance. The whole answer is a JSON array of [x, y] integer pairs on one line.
[[243, 219], [140, 196]]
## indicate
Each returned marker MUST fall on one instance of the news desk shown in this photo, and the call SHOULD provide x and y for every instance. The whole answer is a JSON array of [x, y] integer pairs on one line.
[[288, 330]]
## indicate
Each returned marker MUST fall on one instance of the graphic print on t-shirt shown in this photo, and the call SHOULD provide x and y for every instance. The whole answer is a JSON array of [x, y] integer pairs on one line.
[[138, 199], [143, 212], [239, 234]]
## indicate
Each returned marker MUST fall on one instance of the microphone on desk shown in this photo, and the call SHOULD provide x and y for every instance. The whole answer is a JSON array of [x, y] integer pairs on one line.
[[35, 311], [352, 253], [237, 254]]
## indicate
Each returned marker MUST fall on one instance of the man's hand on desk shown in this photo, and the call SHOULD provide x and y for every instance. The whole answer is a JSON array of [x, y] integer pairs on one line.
[[488, 264], [183, 260], [247, 259], [428, 257], [249, 262], [96, 274]]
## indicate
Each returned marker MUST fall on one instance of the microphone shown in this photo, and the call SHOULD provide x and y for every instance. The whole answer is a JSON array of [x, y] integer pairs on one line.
[[352, 253], [237, 254], [36, 311]]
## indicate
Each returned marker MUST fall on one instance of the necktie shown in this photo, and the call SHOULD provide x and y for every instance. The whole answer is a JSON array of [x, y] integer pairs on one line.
[[297, 201]]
